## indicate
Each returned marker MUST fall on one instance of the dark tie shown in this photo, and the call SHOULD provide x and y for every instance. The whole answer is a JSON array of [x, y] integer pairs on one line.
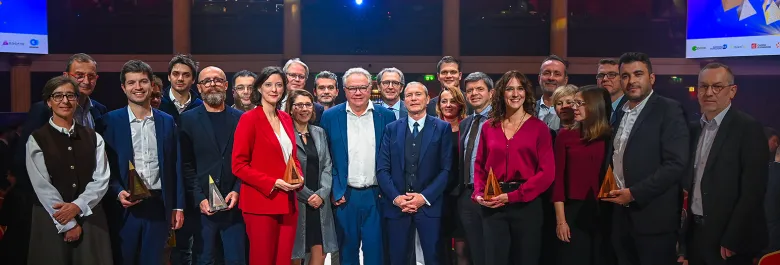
[[416, 130], [470, 148]]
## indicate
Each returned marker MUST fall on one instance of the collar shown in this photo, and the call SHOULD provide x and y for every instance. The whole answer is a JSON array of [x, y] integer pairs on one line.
[[641, 104], [541, 103], [133, 118], [370, 108], [485, 111], [396, 106], [62, 129], [420, 122], [718, 118], [87, 106], [617, 102], [173, 99]]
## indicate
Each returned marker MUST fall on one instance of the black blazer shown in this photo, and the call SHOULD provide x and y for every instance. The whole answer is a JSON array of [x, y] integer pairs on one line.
[[733, 184], [654, 163], [167, 105], [202, 157]]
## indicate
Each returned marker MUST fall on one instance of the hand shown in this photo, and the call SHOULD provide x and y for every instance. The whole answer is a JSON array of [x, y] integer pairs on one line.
[[492, 203], [123, 199], [339, 201], [682, 260], [417, 200], [177, 220], [621, 196], [402, 201], [11, 179], [67, 211], [73, 234], [204, 207], [232, 200], [503, 199], [315, 201], [777, 159], [563, 232], [283, 185], [726, 253]]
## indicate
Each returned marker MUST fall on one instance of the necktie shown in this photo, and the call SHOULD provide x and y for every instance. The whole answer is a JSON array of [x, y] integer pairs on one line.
[[416, 130], [393, 110], [470, 149]]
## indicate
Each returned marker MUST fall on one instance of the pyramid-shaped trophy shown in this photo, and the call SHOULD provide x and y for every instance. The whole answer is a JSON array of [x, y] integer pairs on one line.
[[492, 188], [138, 189], [216, 201], [171, 242], [291, 174], [608, 184]]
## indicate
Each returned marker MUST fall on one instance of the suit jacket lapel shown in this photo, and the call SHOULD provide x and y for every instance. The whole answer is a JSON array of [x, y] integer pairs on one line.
[[208, 128], [233, 122], [299, 140], [401, 141], [268, 132], [159, 131], [646, 111], [342, 123], [427, 134], [126, 133], [379, 127], [720, 139]]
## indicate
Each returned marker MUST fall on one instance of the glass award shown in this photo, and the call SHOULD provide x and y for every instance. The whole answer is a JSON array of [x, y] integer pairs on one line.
[[291, 174], [608, 184], [492, 187], [216, 201], [138, 189]]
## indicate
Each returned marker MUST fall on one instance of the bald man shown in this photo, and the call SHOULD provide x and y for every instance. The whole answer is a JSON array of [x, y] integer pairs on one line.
[[205, 137]]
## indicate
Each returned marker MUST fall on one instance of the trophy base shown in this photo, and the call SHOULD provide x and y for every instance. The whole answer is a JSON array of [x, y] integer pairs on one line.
[[138, 197], [218, 209]]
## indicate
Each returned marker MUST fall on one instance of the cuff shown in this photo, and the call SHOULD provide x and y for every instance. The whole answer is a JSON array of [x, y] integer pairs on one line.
[[83, 206], [181, 210], [65, 228], [426, 200]]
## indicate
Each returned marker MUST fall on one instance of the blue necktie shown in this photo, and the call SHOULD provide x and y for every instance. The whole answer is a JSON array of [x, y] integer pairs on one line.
[[416, 130]]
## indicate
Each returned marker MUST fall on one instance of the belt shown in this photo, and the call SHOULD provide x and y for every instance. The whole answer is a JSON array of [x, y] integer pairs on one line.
[[698, 219], [156, 193], [363, 188], [470, 186], [509, 186]]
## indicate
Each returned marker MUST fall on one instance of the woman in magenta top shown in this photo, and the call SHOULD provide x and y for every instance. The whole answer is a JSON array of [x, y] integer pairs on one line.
[[579, 163], [518, 148]]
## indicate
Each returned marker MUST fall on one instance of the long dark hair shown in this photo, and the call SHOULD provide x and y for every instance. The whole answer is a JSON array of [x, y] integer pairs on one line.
[[266, 73], [598, 105], [498, 102]]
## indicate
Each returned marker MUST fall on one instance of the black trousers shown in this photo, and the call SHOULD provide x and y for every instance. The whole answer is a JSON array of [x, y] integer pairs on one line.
[[635, 249], [582, 218], [705, 252], [470, 214], [513, 233]]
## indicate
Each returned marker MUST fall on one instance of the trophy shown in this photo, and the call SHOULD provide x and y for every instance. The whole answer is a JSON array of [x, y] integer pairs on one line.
[[216, 201], [291, 174], [492, 188], [608, 184], [138, 189], [171, 242]]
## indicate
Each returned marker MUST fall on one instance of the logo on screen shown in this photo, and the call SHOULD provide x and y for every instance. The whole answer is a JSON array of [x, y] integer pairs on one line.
[[5, 43], [777, 45], [696, 48], [34, 42], [753, 46]]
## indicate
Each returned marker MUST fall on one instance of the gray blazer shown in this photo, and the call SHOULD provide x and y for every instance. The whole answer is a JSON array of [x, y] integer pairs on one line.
[[329, 240]]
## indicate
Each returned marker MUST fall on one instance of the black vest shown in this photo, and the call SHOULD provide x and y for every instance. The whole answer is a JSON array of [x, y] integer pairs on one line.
[[412, 160], [70, 160]]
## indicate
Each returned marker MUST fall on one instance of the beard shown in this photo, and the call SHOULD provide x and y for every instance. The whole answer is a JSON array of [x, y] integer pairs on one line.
[[214, 98]]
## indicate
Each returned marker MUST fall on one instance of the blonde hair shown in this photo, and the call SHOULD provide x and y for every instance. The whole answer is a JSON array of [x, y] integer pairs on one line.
[[563, 91], [457, 96]]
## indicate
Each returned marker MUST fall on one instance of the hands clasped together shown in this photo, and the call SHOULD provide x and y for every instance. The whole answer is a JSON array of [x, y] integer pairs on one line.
[[494, 202], [409, 202]]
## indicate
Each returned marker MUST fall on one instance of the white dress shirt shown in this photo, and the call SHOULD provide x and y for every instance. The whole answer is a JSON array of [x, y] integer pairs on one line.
[[180, 107], [709, 129], [361, 148], [284, 141], [621, 139], [48, 195], [144, 138], [395, 108]]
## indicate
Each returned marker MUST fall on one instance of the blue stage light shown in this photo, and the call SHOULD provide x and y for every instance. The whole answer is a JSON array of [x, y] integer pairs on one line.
[[359, 2]]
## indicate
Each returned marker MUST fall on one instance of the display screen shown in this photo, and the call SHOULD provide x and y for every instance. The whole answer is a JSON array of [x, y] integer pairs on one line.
[[24, 27], [728, 28]]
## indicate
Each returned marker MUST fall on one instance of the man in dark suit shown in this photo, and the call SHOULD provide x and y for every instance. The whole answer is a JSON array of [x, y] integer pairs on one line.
[[727, 176], [391, 82], [448, 73], [649, 160], [145, 138], [206, 142], [180, 96], [297, 72], [414, 187], [607, 77]]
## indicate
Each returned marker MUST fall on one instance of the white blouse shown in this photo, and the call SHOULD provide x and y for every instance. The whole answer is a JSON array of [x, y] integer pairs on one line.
[[284, 141]]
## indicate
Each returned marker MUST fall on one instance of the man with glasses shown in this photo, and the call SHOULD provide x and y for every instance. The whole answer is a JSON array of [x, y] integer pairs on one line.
[[355, 129], [449, 75], [607, 78], [326, 88], [390, 81], [242, 90], [297, 72], [180, 96], [552, 74], [157, 92]]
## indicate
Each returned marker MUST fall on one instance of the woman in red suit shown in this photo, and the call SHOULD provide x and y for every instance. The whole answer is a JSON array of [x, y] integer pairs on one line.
[[264, 142], [579, 162]]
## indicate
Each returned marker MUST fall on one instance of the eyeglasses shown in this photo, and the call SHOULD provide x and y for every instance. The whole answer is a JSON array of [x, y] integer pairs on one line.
[[303, 105], [80, 77], [354, 89], [578, 103], [610, 75], [242, 88], [715, 88], [58, 97], [296, 76], [211, 82], [389, 83]]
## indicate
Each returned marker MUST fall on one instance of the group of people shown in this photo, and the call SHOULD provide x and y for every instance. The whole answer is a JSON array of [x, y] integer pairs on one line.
[[397, 180]]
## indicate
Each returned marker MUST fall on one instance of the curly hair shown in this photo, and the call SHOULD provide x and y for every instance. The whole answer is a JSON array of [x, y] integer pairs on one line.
[[498, 113]]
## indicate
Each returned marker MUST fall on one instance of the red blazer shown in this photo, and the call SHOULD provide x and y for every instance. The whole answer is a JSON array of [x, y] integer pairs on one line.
[[258, 162], [577, 167]]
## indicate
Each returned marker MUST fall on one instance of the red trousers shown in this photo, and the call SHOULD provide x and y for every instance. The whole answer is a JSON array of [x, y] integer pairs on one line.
[[271, 238]]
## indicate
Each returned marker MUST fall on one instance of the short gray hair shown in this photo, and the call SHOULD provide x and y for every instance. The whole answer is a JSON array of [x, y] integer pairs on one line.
[[294, 61], [476, 76], [327, 75], [390, 70], [355, 70], [416, 83]]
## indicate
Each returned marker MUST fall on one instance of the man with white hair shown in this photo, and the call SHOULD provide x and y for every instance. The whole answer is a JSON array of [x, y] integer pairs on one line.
[[355, 129], [297, 72]]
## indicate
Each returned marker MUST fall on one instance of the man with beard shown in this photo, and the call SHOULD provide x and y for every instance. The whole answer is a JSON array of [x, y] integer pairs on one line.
[[607, 77], [326, 88], [449, 74], [146, 138], [180, 96], [552, 74], [390, 81], [206, 136], [242, 90], [297, 72]]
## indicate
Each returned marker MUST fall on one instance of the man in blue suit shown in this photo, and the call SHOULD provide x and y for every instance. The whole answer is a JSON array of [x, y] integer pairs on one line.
[[391, 82], [355, 129], [146, 138], [413, 187], [206, 137]]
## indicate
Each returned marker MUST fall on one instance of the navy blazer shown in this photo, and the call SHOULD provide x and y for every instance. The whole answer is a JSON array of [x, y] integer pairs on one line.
[[167, 106], [334, 121], [432, 173], [119, 150], [201, 156]]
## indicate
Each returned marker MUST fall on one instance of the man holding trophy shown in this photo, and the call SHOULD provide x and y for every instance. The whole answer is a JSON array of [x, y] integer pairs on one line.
[[206, 142]]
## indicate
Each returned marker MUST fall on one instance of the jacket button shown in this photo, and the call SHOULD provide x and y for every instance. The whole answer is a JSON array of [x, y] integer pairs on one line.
[[71, 167], [74, 185]]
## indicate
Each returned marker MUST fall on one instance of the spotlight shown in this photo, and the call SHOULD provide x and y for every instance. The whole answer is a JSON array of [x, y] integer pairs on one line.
[[359, 2]]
